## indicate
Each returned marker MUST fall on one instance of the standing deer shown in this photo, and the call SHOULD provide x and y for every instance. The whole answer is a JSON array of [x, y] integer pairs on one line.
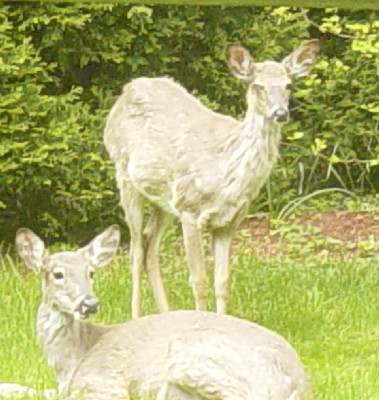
[[178, 355], [196, 164]]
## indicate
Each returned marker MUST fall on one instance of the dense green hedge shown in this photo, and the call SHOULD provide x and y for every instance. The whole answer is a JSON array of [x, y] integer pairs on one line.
[[63, 65]]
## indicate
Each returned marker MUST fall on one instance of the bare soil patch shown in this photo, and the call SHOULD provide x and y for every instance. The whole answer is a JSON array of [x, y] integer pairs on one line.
[[343, 234]]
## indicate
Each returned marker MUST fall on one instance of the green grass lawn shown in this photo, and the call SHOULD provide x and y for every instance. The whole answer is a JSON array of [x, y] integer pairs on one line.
[[328, 310]]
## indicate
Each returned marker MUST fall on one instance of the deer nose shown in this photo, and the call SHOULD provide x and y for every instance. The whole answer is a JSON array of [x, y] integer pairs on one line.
[[89, 305], [280, 115]]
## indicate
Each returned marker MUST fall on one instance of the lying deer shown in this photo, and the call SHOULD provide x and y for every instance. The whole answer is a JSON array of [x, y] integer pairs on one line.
[[178, 355], [198, 165]]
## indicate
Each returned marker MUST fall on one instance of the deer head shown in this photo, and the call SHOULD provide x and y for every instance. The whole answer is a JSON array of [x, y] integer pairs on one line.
[[270, 82], [67, 275]]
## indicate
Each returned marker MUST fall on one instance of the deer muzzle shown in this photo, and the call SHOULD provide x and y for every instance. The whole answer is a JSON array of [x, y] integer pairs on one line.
[[88, 305], [280, 115]]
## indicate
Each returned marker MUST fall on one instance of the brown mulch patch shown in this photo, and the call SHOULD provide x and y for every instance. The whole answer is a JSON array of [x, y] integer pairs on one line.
[[347, 226], [347, 229]]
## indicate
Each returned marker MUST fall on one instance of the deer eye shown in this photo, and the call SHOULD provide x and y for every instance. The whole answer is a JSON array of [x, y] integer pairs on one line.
[[58, 275]]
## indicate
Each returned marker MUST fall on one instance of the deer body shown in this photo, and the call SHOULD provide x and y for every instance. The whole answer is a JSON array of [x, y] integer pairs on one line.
[[198, 165], [179, 355], [194, 355], [195, 162]]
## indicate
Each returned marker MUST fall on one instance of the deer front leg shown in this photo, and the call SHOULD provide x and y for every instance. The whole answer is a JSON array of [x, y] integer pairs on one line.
[[194, 253], [221, 249]]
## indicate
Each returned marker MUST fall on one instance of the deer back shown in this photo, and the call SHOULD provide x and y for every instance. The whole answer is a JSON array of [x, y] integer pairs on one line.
[[157, 118]]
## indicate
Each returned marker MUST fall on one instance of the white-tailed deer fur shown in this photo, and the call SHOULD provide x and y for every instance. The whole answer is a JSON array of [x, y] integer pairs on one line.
[[193, 163], [178, 355]]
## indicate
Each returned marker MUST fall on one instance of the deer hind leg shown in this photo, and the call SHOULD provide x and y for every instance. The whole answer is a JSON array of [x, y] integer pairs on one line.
[[153, 234], [194, 253], [132, 202], [221, 249]]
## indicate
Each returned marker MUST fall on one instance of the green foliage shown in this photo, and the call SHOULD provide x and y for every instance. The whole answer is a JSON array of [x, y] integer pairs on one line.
[[53, 173], [336, 111], [63, 65]]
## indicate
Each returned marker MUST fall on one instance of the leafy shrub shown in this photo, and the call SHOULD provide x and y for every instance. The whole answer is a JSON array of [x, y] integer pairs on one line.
[[341, 100]]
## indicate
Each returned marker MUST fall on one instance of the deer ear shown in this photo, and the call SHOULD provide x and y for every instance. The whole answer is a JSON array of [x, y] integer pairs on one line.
[[103, 247], [301, 61], [239, 61], [31, 249]]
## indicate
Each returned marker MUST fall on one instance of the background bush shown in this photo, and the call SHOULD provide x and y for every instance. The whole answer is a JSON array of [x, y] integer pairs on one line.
[[63, 65]]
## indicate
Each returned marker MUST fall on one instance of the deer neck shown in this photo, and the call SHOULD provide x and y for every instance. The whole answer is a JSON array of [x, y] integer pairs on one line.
[[250, 156], [255, 143], [257, 126], [65, 341]]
